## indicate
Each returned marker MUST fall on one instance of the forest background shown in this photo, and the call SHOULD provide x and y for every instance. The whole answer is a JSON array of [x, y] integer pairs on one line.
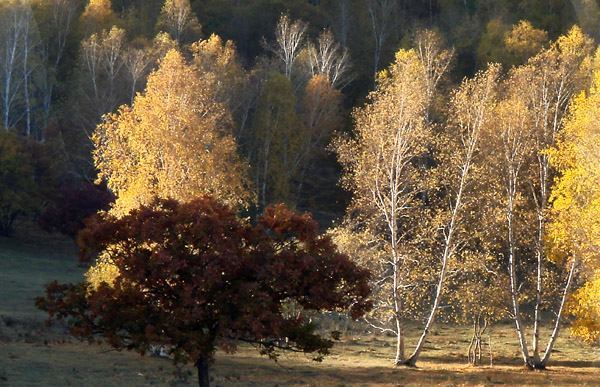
[[284, 79], [60, 74]]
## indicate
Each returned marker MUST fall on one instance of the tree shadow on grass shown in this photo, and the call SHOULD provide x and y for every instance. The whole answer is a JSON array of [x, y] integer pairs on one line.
[[576, 364], [253, 370]]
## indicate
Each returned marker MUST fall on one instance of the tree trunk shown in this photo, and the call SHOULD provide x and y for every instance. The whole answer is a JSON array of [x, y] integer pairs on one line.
[[554, 335], [513, 285], [448, 250], [202, 366], [399, 328], [537, 319]]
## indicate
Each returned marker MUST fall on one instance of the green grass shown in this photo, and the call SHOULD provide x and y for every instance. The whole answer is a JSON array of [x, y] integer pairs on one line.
[[34, 355], [29, 260]]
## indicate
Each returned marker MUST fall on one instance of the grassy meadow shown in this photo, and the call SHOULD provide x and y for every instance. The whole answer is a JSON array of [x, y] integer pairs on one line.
[[32, 354]]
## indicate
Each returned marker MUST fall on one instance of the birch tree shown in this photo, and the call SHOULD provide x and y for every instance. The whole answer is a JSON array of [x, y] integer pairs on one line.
[[177, 18], [55, 20], [167, 144], [136, 61], [383, 167], [511, 136], [575, 227], [380, 170], [289, 39], [12, 18], [470, 112], [436, 59], [555, 77], [220, 57], [102, 83], [339, 14], [327, 58]]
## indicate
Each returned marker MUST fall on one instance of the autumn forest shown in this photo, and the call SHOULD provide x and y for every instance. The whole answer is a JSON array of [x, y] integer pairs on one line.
[[238, 172]]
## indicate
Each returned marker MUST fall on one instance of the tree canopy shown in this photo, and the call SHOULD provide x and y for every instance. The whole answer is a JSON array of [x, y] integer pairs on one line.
[[174, 141], [575, 227], [195, 277]]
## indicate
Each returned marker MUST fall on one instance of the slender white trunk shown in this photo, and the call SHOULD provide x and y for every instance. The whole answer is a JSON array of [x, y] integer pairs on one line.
[[26, 79], [398, 314], [554, 335], [10, 63], [538, 290], [448, 251], [514, 296]]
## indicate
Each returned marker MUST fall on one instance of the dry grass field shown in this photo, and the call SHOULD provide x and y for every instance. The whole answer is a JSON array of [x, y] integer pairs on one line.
[[34, 355]]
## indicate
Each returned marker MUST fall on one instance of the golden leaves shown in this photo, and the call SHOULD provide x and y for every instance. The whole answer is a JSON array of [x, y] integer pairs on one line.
[[173, 142], [584, 305], [576, 195]]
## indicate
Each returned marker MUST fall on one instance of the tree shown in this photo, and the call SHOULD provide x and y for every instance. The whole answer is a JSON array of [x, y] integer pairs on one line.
[[556, 76], [574, 229], [584, 307], [436, 60], [380, 170], [510, 139], [97, 16], [136, 61], [380, 13], [221, 58], [491, 43], [398, 198], [339, 16], [14, 16], [176, 18], [289, 38], [53, 53], [470, 112], [321, 113], [588, 16], [174, 141], [55, 20], [194, 277], [327, 58], [101, 84], [522, 42], [276, 138]]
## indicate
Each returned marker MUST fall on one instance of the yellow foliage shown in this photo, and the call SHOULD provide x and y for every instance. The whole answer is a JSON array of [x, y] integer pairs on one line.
[[585, 305], [177, 18], [523, 41], [390, 133], [102, 271], [575, 227], [380, 168], [576, 195], [173, 142], [98, 15]]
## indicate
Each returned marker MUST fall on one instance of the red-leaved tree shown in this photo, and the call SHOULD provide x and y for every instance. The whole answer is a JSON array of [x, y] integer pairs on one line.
[[194, 277]]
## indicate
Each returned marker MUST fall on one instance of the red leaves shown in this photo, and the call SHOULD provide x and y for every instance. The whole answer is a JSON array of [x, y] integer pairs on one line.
[[193, 274]]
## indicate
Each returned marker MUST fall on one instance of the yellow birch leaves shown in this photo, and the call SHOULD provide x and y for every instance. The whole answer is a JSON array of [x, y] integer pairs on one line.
[[174, 141], [575, 225]]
